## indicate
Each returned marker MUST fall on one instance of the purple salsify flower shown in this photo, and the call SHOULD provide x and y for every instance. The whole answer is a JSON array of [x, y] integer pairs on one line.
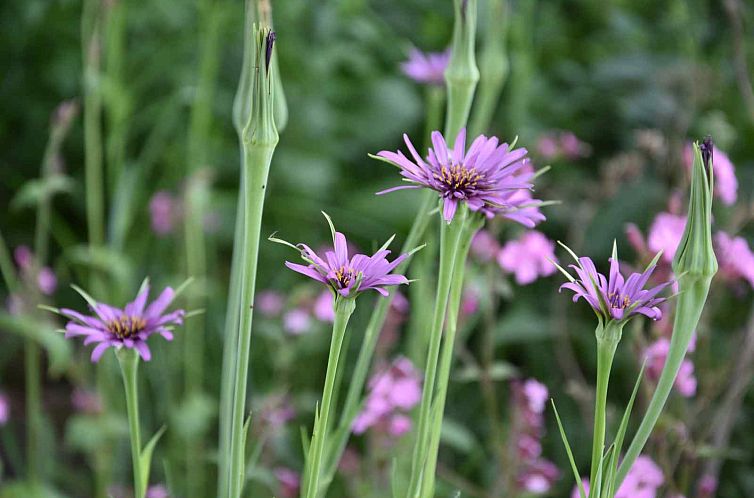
[[643, 480], [129, 327], [164, 212], [656, 355], [426, 68], [484, 246], [735, 257], [47, 281], [528, 257], [323, 307], [349, 277], [297, 321], [289, 481], [488, 178], [665, 234], [269, 303], [613, 297], [4, 409]]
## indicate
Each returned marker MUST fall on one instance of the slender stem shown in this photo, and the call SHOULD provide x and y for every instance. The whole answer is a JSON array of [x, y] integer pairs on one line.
[[343, 310], [129, 366], [449, 242], [446, 356], [606, 346], [33, 408]]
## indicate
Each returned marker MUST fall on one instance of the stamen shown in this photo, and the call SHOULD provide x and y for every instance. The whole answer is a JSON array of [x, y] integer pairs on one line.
[[126, 326]]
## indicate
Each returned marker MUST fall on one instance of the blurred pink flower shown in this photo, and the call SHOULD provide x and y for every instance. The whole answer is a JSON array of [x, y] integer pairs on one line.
[[47, 281], [163, 210], [726, 184], [157, 491], [4, 409], [636, 239], [426, 68], [276, 410], [665, 234], [734, 257], [86, 401], [538, 477], [707, 486], [572, 147], [297, 321], [484, 246], [536, 395], [547, 146], [288, 480], [270, 303], [528, 257], [556, 144], [24, 257], [642, 481], [393, 392], [324, 309], [470, 301], [656, 355]]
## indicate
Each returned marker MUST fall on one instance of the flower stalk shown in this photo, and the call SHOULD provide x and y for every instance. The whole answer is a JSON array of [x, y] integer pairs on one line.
[[344, 308], [128, 359], [259, 139], [462, 73], [695, 264]]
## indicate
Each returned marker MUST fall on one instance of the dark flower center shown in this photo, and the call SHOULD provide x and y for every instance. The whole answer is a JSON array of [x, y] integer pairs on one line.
[[344, 276], [457, 178], [126, 327], [619, 301]]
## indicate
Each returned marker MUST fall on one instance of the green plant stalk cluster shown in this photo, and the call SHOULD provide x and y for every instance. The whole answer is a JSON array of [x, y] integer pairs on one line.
[[310, 488]]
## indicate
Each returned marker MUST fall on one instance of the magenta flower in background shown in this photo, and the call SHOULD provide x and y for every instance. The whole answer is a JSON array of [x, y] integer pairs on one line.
[[470, 301], [643, 480], [164, 212], [656, 354], [323, 307], [24, 257], [288, 480], [297, 321], [157, 491], [346, 276], [44, 278], [707, 486], [726, 183], [269, 303], [665, 234], [484, 246], [47, 281], [4, 409], [615, 298], [129, 327], [556, 144], [735, 257], [86, 401], [538, 477], [393, 392], [528, 257], [426, 68], [485, 177]]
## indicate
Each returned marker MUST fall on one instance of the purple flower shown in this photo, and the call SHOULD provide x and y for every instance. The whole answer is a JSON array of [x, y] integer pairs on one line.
[[726, 184], [643, 480], [707, 486], [735, 257], [538, 477], [426, 68], [657, 354], [615, 298], [157, 491], [323, 307], [129, 327], [557, 144], [47, 281], [346, 276], [528, 257], [665, 234], [163, 210], [24, 257], [297, 321], [269, 303], [4, 409], [484, 246], [393, 392], [487, 177], [288, 480]]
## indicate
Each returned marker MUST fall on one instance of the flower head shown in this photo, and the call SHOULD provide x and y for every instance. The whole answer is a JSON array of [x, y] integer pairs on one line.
[[129, 327], [614, 297], [528, 257], [426, 68], [489, 178], [346, 276]]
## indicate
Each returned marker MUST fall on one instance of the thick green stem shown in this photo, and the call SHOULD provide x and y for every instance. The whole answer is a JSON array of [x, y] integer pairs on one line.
[[608, 337], [343, 310], [129, 366], [446, 356], [462, 74], [450, 234], [693, 295]]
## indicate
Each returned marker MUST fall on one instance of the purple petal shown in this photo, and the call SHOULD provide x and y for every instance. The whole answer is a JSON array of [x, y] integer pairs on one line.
[[99, 350], [160, 304]]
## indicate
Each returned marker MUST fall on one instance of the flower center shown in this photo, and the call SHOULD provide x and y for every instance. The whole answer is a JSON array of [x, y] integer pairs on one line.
[[344, 276], [126, 327], [457, 178], [619, 301]]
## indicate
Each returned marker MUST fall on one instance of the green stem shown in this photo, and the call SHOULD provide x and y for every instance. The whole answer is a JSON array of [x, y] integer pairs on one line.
[[608, 337], [343, 310], [450, 234], [446, 355], [34, 409], [129, 366], [691, 299]]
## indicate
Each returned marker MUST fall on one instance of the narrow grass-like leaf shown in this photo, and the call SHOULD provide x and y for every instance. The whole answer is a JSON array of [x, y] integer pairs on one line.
[[575, 469], [145, 459]]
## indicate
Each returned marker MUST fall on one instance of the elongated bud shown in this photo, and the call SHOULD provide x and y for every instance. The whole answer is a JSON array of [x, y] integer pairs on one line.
[[260, 125], [695, 255], [462, 73]]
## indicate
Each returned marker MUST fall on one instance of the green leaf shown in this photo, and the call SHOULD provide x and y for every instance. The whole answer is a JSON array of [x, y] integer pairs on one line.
[[145, 459], [33, 191], [499, 370], [575, 469], [621, 434], [58, 348]]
